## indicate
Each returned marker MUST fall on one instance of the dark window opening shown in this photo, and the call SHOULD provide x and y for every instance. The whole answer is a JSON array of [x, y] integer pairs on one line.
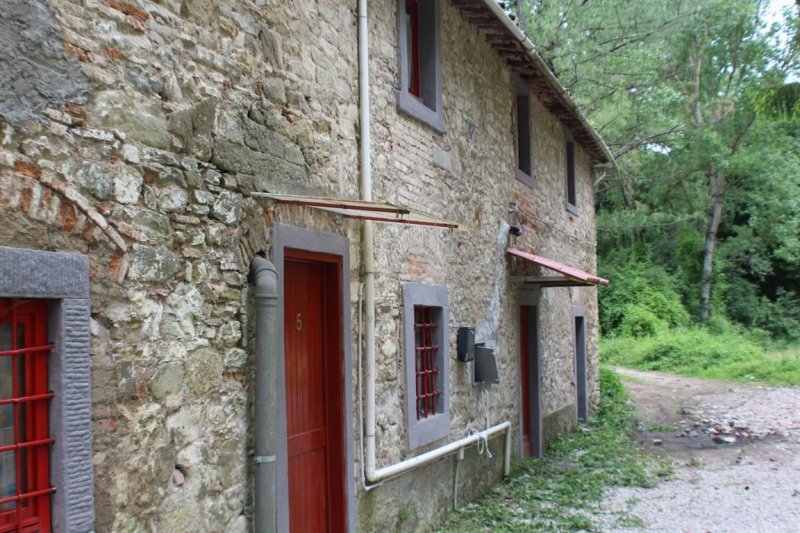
[[572, 196], [524, 135], [582, 383], [419, 93], [412, 46], [427, 361], [24, 434]]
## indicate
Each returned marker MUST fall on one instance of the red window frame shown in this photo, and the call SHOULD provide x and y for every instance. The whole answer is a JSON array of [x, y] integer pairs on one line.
[[427, 355], [29, 353], [412, 11]]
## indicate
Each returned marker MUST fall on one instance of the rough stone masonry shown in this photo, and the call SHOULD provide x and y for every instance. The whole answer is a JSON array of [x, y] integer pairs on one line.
[[134, 132]]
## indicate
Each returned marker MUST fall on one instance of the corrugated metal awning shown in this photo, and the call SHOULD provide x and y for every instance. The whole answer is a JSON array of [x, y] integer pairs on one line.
[[571, 276], [380, 212]]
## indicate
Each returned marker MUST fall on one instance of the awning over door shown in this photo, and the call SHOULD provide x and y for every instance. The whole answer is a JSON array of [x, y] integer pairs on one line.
[[380, 212], [569, 276]]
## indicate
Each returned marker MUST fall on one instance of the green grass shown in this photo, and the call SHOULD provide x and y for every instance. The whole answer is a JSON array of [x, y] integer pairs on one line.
[[558, 492], [700, 353]]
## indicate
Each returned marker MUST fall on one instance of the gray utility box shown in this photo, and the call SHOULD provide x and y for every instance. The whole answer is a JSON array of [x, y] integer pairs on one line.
[[465, 344], [485, 365]]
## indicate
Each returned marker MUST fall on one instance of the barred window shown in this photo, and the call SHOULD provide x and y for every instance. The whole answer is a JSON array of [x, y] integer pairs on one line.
[[427, 364], [426, 319], [24, 435]]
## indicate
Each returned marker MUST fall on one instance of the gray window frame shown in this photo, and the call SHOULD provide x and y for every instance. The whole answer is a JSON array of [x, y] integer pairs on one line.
[[521, 89], [433, 428], [428, 109], [570, 174], [581, 358], [63, 280]]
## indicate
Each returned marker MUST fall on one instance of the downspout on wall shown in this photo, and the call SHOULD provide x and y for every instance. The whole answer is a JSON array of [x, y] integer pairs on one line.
[[367, 240], [265, 278]]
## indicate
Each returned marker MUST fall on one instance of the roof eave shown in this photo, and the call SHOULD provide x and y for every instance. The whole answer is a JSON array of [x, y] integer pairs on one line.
[[599, 151]]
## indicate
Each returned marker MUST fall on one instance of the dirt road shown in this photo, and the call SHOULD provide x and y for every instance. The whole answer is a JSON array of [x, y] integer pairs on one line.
[[735, 451]]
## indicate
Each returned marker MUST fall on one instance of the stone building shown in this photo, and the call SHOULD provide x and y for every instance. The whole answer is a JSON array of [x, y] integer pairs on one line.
[[153, 151]]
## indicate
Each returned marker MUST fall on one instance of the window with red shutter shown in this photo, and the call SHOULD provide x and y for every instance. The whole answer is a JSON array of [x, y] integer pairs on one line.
[[427, 361], [24, 434]]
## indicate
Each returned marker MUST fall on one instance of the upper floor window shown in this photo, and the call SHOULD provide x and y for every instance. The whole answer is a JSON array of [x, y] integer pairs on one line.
[[522, 139], [572, 191], [419, 94]]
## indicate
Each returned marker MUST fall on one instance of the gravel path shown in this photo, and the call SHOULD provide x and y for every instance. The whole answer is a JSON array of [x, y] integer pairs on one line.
[[736, 454]]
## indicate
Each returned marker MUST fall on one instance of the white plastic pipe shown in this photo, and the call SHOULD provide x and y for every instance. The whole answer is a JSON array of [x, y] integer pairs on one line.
[[367, 258], [447, 449]]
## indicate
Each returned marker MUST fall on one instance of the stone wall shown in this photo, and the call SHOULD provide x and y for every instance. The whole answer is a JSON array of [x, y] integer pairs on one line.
[[137, 143], [467, 175], [134, 133]]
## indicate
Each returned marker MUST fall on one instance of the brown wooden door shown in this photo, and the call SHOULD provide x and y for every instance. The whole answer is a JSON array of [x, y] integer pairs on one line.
[[313, 362]]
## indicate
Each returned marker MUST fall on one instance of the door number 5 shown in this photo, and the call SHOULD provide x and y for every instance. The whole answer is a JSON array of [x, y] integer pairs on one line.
[[299, 321]]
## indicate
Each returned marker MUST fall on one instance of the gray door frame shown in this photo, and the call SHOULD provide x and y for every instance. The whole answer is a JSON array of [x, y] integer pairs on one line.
[[581, 372], [286, 236], [530, 298]]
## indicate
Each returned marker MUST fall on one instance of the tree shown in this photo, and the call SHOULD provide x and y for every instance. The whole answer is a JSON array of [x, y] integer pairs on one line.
[[688, 97]]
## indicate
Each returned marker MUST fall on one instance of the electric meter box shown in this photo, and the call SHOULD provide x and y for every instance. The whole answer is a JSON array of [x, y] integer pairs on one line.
[[485, 365], [465, 344]]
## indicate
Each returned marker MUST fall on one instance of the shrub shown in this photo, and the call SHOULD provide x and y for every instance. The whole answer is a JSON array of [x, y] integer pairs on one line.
[[699, 352], [639, 321], [636, 288]]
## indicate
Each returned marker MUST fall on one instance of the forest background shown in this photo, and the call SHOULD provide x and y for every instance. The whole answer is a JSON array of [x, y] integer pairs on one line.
[[699, 218]]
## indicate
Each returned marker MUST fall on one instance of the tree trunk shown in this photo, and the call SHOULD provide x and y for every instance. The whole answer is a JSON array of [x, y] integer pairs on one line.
[[717, 182]]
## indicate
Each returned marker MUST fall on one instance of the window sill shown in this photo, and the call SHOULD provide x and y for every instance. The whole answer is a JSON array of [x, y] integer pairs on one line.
[[572, 209], [524, 178], [428, 430], [409, 105]]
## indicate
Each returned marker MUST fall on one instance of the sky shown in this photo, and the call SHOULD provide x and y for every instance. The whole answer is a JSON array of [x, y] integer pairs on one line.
[[774, 12]]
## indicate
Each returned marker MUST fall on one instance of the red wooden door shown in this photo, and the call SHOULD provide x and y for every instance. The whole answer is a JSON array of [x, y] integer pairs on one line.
[[313, 362]]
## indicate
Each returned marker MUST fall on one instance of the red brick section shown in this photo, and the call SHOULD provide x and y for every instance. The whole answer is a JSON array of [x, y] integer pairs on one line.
[[130, 10], [27, 169], [67, 216], [78, 113], [25, 202], [79, 53], [113, 54]]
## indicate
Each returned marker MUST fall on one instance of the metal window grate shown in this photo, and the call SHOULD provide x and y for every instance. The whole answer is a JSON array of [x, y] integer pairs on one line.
[[427, 364], [24, 439]]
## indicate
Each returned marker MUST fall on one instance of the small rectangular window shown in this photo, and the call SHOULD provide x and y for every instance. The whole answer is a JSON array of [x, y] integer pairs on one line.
[[572, 195], [427, 364], [523, 138], [24, 435], [419, 93], [426, 317]]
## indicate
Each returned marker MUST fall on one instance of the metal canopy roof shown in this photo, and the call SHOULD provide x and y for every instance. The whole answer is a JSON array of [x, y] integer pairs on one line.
[[571, 276], [380, 212]]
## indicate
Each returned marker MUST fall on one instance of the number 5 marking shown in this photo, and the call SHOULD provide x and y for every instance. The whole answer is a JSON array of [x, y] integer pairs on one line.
[[299, 321]]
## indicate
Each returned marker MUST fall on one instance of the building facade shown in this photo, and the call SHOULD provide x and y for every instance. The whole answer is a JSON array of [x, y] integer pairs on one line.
[[150, 150]]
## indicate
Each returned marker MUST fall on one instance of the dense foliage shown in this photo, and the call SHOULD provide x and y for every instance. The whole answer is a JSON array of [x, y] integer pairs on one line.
[[699, 220], [699, 352], [551, 494]]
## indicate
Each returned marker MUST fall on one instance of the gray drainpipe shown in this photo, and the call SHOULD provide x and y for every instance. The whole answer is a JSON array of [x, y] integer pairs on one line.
[[264, 276]]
